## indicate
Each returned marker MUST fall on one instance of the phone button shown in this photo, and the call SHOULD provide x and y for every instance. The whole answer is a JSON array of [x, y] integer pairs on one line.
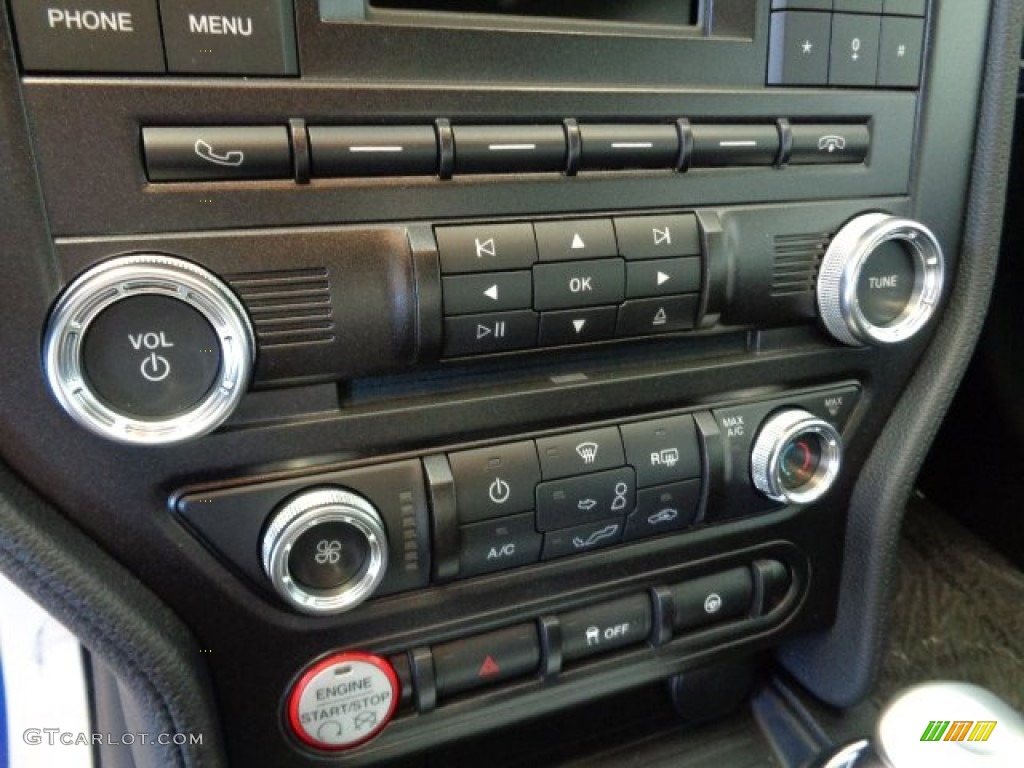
[[827, 144], [219, 153]]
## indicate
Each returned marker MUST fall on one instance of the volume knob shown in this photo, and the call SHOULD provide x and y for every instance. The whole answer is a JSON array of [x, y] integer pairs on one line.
[[880, 280], [148, 349]]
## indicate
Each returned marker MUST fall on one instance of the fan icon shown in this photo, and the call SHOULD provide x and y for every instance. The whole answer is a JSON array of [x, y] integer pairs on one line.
[[328, 552]]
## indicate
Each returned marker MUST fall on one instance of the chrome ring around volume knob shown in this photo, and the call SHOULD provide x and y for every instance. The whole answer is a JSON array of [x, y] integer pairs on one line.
[[796, 457], [325, 551], [880, 281], [148, 349]]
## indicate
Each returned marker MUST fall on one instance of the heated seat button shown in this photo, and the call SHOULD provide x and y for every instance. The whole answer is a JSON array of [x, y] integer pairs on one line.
[[494, 482], [490, 333], [509, 148], [619, 147], [581, 538], [576, 500], [579, 453], [577, 326], [575, 239], [712, 599], [495, 545], [823, 144], [377, 150], [578, 284], [89, 35], [487, 292], [486, 247], [230, 37], [662, 450], [662, 277], [658, 237], [639, 317], [663, 509], [727, 145], [151, 357], [605, 627], [483, 660], [220, 153]]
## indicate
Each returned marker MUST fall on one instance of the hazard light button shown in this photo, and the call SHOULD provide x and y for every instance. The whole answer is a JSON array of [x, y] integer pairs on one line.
[[343, 701], [483, 660]]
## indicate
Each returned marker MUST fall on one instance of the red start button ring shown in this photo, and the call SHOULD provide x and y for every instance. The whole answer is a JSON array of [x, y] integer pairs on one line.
[[343, 701]]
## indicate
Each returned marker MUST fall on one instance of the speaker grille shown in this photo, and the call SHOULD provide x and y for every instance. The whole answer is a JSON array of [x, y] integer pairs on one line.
[[797, 261], [287, 307]]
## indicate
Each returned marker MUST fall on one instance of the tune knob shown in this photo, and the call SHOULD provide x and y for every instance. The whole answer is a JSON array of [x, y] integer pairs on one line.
[[148, 349], [880, 281], [796, 457], [325, 550]]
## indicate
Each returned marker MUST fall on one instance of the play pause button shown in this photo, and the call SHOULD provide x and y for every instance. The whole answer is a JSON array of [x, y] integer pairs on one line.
[[489, 333], [577, 326]]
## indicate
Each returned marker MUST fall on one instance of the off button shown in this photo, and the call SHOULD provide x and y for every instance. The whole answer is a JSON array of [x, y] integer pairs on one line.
[[343, 701], [151, 357]]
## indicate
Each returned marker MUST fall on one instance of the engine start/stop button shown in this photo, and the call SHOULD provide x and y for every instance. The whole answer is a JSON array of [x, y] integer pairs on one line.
[[343, 701]]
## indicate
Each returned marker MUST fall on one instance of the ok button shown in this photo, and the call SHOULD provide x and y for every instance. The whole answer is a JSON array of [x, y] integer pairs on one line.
[[578, 284]]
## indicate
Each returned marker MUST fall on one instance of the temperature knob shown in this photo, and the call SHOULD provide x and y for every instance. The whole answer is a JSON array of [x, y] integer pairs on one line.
[[796, 457], [325, 550], [880, 281], [148, 349]]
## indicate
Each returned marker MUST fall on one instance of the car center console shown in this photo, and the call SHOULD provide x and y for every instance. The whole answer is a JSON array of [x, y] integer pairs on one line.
[[443, 365]]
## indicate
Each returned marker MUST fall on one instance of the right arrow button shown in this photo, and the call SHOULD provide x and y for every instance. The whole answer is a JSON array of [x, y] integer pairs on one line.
[[662, 277]]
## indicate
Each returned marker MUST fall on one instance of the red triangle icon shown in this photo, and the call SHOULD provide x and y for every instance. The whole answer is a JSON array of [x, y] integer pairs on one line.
[[489, 668]]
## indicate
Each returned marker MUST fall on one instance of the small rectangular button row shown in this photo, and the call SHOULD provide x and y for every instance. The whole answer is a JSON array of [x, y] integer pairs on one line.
[[515, 652], [519, 246], [848, 49]]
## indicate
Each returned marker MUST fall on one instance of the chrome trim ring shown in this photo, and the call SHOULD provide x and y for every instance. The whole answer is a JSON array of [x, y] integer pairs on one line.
[[309, 509], [776, 434], [140, 275], [840, 273]]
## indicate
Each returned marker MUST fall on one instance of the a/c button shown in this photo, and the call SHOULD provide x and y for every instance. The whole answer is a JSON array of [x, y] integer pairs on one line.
[[498, 544]]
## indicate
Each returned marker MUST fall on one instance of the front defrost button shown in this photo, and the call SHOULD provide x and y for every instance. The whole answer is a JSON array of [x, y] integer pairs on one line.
[[343, 701]]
